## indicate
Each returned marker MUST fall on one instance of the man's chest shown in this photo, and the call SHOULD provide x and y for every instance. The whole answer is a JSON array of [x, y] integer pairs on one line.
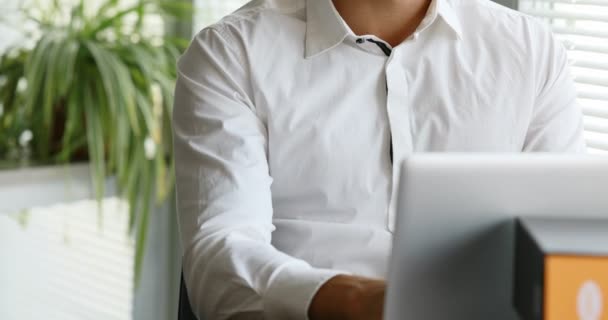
[[340, 109], [332, 124]]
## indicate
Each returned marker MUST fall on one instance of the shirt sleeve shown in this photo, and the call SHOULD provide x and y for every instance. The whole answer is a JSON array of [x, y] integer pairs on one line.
[[557, 122], [223, 193]]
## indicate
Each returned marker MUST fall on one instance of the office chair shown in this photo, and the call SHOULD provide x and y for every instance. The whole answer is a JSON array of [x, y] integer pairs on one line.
[[184, 309]]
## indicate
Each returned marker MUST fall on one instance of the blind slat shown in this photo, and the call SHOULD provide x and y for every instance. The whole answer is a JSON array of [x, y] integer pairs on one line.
[[598, 112], [597, 125], [598, 65], [586, 47], [581, 32], [599, 3], [583, 94], [593, 80], [597, 140], [555, 14], [597, 151]]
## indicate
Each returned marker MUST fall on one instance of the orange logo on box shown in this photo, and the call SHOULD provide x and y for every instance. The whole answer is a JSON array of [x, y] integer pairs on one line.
[[576, 288]]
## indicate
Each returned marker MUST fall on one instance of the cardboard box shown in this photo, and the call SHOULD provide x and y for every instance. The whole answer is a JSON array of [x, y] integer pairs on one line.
[[561, 269]]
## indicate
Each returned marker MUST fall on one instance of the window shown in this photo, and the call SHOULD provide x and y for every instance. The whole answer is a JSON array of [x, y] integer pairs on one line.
[[582, 25]]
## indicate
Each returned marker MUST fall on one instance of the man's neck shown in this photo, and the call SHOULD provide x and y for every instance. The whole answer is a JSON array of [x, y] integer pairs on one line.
[[391, 20]]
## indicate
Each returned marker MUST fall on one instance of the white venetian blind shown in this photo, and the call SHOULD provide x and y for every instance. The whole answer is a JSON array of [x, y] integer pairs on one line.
[[58, 263], [582, 25]]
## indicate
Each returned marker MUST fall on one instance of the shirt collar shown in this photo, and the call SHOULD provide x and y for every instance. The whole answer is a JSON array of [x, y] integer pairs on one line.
[[325, 29], [448, 14]]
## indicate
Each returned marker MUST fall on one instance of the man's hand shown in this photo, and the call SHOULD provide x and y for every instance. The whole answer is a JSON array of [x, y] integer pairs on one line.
[[349, 298]]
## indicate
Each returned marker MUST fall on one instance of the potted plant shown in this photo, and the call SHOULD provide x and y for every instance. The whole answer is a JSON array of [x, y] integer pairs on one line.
[[96, 86]]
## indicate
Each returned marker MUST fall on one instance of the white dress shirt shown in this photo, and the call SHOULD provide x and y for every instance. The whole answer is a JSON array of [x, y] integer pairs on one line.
[[285, 122]]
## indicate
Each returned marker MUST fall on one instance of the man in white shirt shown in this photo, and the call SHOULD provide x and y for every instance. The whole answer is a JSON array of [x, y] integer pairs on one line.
[[291, 117]]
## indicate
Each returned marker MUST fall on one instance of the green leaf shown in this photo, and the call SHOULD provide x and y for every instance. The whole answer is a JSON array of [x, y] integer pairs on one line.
[[178, 9], [113, 19], [142, 230], [70, 48], [140, 16], [145, 108], [95, 139], [36, 69], [70, 147], [53, 78], [174, 46], [160, 168], [117, 83], [133, 182], [74, 109], [144, 61]]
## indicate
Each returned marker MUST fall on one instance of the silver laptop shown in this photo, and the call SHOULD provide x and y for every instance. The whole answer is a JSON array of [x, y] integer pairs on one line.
[[453, 245]]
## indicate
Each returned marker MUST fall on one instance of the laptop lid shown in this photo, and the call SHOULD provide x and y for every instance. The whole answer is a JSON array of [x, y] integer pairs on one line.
[[454, 240]]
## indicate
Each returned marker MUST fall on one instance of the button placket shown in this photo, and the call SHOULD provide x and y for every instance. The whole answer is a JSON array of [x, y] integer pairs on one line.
[[399, 123]]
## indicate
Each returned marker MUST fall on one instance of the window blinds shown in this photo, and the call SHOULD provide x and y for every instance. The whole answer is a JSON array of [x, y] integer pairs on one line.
[[582, 25], [62, 262]]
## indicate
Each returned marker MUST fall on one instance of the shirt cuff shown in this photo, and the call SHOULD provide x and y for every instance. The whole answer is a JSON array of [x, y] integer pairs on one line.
[[291, 292]]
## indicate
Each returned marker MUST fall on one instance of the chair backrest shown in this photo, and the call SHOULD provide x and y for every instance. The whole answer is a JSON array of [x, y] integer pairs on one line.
[[185, 310]]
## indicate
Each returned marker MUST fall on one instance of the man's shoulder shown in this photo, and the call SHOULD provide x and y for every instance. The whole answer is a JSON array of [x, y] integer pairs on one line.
[[487, 7], [258, 13], [496, 24], [281, 7], [488, 13]]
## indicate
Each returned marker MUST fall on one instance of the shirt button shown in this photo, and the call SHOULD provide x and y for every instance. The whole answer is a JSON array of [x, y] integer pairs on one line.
[[415, 35], [360, 41]]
